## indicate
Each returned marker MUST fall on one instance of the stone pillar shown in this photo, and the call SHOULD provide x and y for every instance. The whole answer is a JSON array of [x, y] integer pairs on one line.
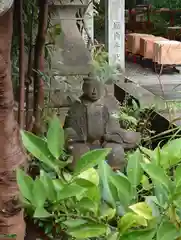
[[71, 57], [115, 32]]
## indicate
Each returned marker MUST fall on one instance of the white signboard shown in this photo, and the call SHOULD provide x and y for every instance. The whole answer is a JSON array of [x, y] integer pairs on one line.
[[116, 32]]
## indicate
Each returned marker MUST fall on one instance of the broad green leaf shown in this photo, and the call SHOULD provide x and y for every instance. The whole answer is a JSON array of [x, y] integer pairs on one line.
[[178, 176], [123, 187], [113, 236], [167, 231], [145, 183], [173, 151], [84, 183], [105, 171], [142, 209], [130, 220], [25, 184], [107, 212], [73, 223], [91, 175], [139, 234], [55, 137], [134, 170], [67, 176], [88, 231], [153, 204], [39, 194], [88, 205], [48, 186], [58, 184], [38, 148], [162, 195], [148, 152], [157, 174], [70, 191], [93, 193], [91, 159], [41, 212]]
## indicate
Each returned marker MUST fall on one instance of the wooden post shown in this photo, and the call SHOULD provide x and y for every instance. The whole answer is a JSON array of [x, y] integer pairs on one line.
[[115, 32]]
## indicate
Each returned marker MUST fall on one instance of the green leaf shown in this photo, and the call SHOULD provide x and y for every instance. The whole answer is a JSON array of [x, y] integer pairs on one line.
[[39, 193], [107, 212], [134, 170], [123, 187], [38, 148], [55, 137], [178, 176], [93, 193], [25, 184], [73, 223], [41, 212], [48, 186], [173, 149], [84, 183], [148, 152], [88, 205], [70, 191], [91, 159], [142, 209], [162, 195], [90, 175], [145, 183], [113, 236], [139, 234], [58, 184], [157, 174], [153, 204], [88, 231], [130, 220], [105, 171], [167, 231]]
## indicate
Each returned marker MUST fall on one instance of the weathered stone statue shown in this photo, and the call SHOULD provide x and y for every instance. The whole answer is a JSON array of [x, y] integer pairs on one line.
[[89, 125]]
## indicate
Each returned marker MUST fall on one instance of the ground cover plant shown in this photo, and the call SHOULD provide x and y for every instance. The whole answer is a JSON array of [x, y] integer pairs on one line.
[[93, 202]]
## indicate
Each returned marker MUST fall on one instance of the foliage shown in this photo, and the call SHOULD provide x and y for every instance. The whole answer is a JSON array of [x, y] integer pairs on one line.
[[102, 70], [30, 16], [135, 118], [94, 202]]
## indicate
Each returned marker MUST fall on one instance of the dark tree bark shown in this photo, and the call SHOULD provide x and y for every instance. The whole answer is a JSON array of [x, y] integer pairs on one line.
[[39, 61], [11, 152], [19, 8], [30, 67]]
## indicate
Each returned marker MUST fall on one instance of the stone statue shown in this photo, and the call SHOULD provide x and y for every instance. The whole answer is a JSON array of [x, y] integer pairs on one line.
[[90, 125]]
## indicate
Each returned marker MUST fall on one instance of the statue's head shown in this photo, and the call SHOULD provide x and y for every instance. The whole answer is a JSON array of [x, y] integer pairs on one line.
[[92, 89]]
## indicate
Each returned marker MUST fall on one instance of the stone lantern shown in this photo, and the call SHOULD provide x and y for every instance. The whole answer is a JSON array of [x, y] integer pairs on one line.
[[71, 56]]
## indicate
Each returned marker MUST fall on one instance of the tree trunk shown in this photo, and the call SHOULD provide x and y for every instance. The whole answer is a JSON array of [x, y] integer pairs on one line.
[[11, 152], [39, 62], [19, 5], [30, 67]]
